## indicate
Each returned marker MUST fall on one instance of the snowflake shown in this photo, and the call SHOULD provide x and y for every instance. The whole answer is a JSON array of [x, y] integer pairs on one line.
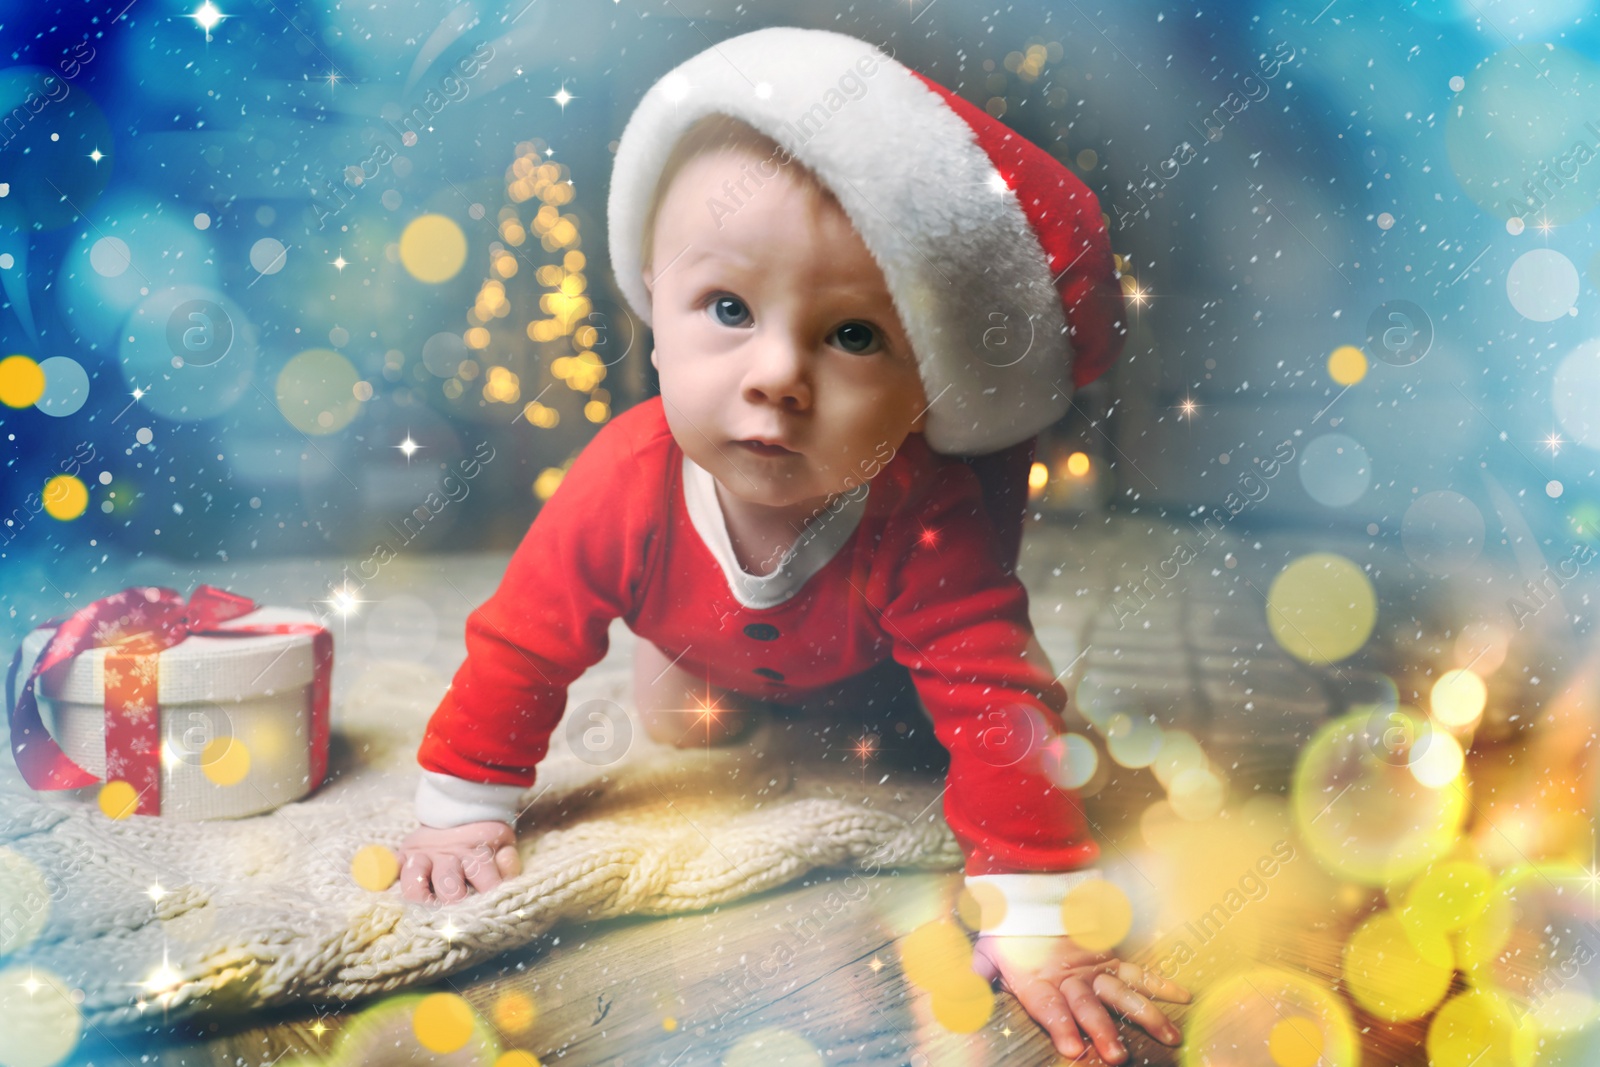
[[136, 710], [113, 678], [147, 669], [116, 766], [107, 632], [140, 745]]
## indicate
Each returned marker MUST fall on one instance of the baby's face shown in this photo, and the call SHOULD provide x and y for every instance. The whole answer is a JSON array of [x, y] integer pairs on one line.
[[775, 326]]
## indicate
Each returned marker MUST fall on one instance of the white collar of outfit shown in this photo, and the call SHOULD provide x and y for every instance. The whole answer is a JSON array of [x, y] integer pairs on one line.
[[819, 542]]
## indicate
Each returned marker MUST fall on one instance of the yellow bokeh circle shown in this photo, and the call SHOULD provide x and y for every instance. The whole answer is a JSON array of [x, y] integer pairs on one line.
[[225, 761], [443, 1022], [1458, 698], [965, 1005], [1295, 1042], [1096, 914], [65, 497], [1347, 365], [1269, 1015], [1388, 975], [433, 248], [1479, 1029], [517, 1058], [1361, 810], [1321, 608], [375, 868], [41, 1022], [935, 954], [514, 1012], [316, 391], [118, 799], [21, 382], [981, 906]]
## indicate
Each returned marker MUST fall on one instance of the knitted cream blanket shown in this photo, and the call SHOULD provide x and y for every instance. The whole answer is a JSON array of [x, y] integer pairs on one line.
[[156, 920]]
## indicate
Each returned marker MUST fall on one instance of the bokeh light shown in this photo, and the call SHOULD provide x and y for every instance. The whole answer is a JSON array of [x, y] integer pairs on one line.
[[22, 382], [1387, 974], [1542, 285], [1335, 470], [42, 1021], [1359, 807], [316, 391], [65, 497], [1241, 1021], [1347, 365], [1321, 608], [433, 248], [1458, 698]]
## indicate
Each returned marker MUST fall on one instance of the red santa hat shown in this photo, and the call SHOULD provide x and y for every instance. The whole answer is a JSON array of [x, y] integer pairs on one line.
[[995, 254]]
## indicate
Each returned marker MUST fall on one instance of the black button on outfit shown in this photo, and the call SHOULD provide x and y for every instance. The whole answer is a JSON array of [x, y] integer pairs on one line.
[[761, 631], [768, 672]]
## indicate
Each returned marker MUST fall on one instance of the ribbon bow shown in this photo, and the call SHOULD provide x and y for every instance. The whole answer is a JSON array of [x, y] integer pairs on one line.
[[138, 624]]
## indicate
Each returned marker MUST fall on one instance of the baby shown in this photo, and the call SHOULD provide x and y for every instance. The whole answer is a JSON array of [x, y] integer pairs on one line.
[[822, 256]]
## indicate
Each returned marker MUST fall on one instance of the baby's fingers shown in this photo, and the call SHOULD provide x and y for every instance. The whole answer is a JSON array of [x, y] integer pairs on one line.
[[1152, 984], [449, 881], [1117, 993], [416, 878], [1094, 1018], [1047, 1007], [482, 869]]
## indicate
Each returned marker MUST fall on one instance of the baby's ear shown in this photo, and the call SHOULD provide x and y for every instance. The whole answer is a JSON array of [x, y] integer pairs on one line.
[[653, 361]]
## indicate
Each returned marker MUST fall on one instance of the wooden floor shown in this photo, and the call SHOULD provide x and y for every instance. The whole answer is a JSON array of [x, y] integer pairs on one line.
[[705, 988]]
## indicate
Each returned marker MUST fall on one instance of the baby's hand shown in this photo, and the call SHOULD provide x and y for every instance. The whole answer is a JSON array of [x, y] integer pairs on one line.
[[1062, 985], [437, 865]]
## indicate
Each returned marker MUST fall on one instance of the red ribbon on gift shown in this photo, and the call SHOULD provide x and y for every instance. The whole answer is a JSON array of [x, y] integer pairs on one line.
[[138, 623]]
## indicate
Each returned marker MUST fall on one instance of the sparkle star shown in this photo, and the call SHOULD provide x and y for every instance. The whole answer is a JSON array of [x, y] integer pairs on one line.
[[997, 183], [1545, 225], [1554, 443], [97, 155], [1188, 407], [137, 393], [562, 96], [319, 1028], [207, 16], [876, 965], [408, 446], [332, 78], [929, 537], [341, 262]]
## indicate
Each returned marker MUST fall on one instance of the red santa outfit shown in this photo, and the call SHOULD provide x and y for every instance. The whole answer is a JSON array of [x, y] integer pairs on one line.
[[1005, 285]]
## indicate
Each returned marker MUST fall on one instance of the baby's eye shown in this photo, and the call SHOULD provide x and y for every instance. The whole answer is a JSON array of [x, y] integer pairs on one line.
[[858, 338], [729, 309]]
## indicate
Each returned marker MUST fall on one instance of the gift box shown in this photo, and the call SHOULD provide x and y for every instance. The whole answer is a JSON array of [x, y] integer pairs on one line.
[[214, 707]]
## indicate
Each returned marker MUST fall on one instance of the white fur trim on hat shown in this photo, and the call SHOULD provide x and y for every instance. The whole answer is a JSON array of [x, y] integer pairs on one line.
[[966, 271]]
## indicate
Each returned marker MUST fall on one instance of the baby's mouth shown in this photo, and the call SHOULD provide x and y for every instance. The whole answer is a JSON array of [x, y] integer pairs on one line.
[[761, 448]]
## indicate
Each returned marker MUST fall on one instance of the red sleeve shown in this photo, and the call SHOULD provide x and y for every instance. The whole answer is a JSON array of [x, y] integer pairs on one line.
[[960, 624], [577, 568]]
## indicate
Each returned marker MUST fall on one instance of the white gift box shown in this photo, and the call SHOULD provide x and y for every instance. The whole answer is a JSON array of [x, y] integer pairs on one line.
[[255, 690]]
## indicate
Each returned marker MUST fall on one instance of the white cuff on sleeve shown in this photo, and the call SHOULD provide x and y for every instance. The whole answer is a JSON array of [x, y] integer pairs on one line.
[[1024, 905], [444, 800]]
